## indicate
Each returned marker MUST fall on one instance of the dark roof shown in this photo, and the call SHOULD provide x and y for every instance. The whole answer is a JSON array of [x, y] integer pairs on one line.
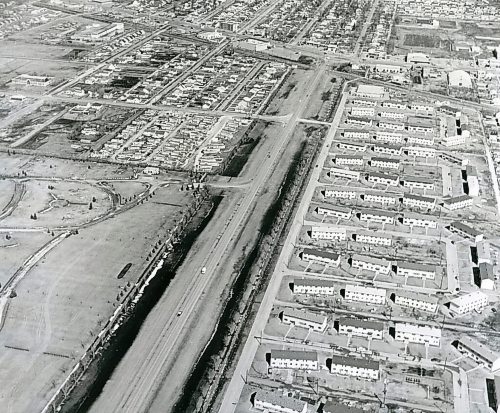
[[355, 362], [322, 254], [356, 322], [294, 355], [419, 198], [465, 228], [313, 283], [384, 176], [486, 271], [456, 199], [279, 400], [416, 266]]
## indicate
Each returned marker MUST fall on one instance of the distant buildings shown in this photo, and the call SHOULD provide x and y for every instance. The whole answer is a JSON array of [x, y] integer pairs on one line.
[[29, 80], [474, 301]]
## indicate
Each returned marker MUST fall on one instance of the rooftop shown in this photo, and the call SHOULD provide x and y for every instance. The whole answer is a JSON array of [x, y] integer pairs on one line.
[[313, 283], [279, 400], [416, 266], [320, 253], [294, 355], [367, 290], [355, 362], [304, 315], [479, 348], [356, 322], [417, 329]]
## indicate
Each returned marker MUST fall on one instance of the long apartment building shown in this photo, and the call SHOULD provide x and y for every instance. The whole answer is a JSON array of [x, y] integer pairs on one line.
[[355, 367], [364, 294], [464, 304], [334, 211], [420, 124], [344, 173], [328, 233], [383, 179], [480, 353], [304, 319], [421, 151], [313, 287], [417, 301], [294, 359], [277, 403], [354, 160], [373, 238], [380, 198], [418, 201], [378, 217], [325, 257], [354, 147], [363, 262], [417, 220], [458, 202], [426, 140], [356, 134], [387, 149], [385, 163], [389, 137], [361, 328], [466, 231], [413, 333], [416, 270], [340, 194], [417, 182]]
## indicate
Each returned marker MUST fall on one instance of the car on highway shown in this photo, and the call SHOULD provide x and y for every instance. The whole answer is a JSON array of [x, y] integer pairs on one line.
[[179, 313]]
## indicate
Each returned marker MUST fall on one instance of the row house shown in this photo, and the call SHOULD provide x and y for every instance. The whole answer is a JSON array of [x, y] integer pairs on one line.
[[466, 231], [362, 111], [304, 319], [363, 102], [361, 328], [328, 233], [313, 287], [344, 173], [421, 152], [356, 134], [418, 201], [356, 160], [383, 179], [417, 182], [315, 255], [355, 147], [373, 238], [392, 115], [380, 198], [377, 265], [355, 367], [412, 333], [464, 304], [389, 137], [417, 301], [340, 194], [409, 269], [294, 359], [417, 220], [458, 202], [387, 149], [370, 295], [420, 124], [277, 403], [479, 353], [394, 104], [354, 120], [426, 140], [384, 124], [387, 163], [334, 211], [378, 216]]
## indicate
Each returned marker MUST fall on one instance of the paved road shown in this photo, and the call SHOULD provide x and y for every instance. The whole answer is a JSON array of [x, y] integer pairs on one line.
[[235, 387]]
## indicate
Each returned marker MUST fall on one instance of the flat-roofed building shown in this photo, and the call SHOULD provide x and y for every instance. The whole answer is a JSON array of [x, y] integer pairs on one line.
[[426, 140], [361, 328], [362, 111], [421, 151], [472, 180], [360, 121], [355, 147], [418, 201], [294, 359], [378, 216], [370, 91], [417, 182], [389, 137], [334, 407], [328, 233], [417, 220], [356, 160], [313, 287], [373, 238], [387, 163], [458, 202], [344, 173], [486, 276], [356, 134], [387, 149], [420, 124], [354, 292], [466, 231], [326, 257], [464, 304], [479, 353], [277, 403], [380, 198], [483, 249], [396, 126], [413, 333], [411, 269], [355, 367], [334, 211], [383, 179], [410, 299], [304, 319], [340, 194]]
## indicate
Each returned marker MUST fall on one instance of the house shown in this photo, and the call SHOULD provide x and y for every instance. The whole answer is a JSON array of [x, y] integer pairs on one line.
[[294, 359], [361, 328], [383, 179], [355, 367], [334, 211], [340, 194], [378, 216], [417, 201], [326, 257], [417, 220], [412, 333], [474, 301], [458, 202], [486, 276], [395, 126], [304, 319], [356, 134], [380, 198], [352, 146], [362, 111], [387, 163], [344, 173], [417, 182], [417, 301], [410, 269], [389, 137], [354, 292], [479, 353], [421, 152], [328, 233], [466, 231], [360, 121], [313, 287], [356, 160], [334, 407], [277, 403], [373, 238]]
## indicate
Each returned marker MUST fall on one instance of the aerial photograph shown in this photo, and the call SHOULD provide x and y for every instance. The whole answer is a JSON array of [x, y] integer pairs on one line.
[[249, 206]]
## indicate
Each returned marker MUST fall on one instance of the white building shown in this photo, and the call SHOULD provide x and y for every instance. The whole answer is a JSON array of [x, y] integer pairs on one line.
[[313, 287], [352, 147], [417, 201], [294, 359], [361, 328], [344, 173], [483, 252], [409, 269], [410, 299], [334, 211], [387, 163], [304, 319], [328, 233], [377, 265], [426, 140], [479, 353], [378, 217], [416, 220], [392, 115], [474, 301], [363, 102], [412, 333], [466, 231], [453, 140], [380, 198], [326, 257], [472, 180], [460, 79], [340, 194], [385, 124], [355, 367], [458, 202], [355, 120], [387, 149], [420, 124], [29, 80], [422, 107], [362, 111], [486, 276], [277, 403], [415, 182], [211, 36], [421, 152], [354, 292], [389, 137], [356, 160], [394, 104], [373, 238], [383, 179], [356, 134]]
